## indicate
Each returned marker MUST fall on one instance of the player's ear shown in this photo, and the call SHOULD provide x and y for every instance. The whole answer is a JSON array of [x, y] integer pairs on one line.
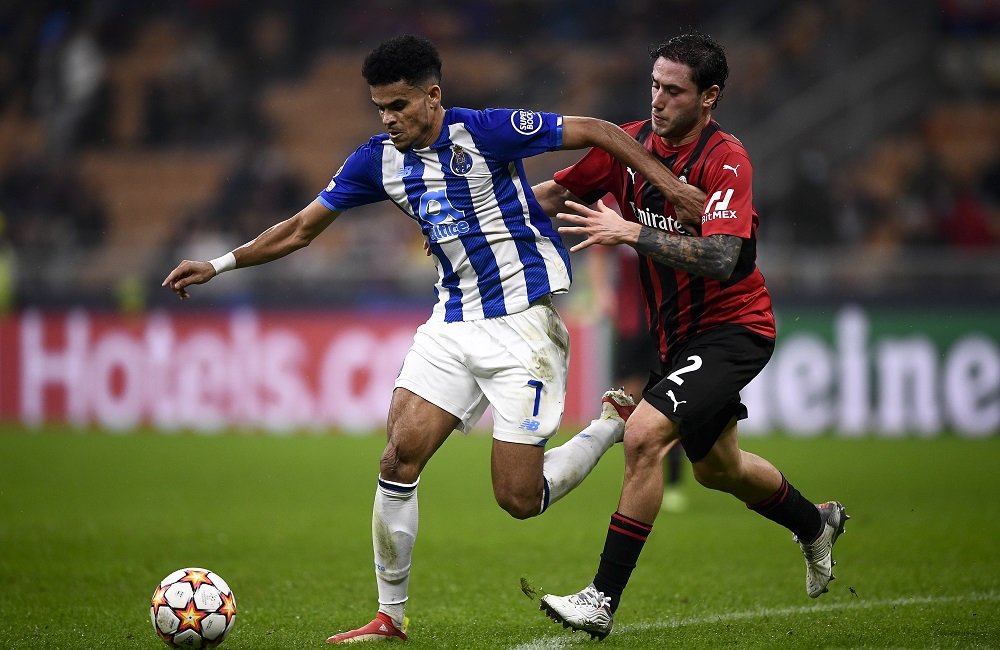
[[434, 95], [710, 96]]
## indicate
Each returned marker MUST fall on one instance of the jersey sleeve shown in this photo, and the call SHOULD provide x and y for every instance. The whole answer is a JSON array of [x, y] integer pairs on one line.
[[358, 181], [728, 196], [592, 176], [512, 134]]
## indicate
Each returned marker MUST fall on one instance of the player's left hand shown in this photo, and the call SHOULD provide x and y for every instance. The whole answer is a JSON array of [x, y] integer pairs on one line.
[[187, 273], [598, 225], [688, 205]]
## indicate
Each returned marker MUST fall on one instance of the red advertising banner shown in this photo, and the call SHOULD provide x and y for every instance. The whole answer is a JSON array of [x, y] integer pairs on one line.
[[278, 371], [850, 371]]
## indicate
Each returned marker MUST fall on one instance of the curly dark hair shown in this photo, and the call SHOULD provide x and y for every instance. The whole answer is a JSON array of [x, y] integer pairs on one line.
[[409, 58], [705, 57]]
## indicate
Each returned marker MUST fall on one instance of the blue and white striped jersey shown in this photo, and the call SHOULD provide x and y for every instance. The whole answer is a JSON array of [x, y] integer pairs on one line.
[[495, 250]]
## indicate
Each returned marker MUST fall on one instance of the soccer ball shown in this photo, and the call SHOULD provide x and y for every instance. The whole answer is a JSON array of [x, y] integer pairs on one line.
[[193, 608]]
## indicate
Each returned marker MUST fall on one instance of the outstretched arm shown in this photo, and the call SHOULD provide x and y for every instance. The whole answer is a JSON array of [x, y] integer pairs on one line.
[[582, 132], [553, 197], [275, 242], [714, 256]]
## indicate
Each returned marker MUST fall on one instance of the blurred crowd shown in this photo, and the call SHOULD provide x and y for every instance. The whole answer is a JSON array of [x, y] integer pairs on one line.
[[874, 126]]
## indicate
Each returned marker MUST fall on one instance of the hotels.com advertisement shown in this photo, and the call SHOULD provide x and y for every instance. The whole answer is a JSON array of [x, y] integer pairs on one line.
[[846, 370], [211, 371]]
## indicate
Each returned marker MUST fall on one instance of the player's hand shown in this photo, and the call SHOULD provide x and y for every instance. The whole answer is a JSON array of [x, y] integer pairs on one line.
[[598, 225], [688, 204], [186, 274]]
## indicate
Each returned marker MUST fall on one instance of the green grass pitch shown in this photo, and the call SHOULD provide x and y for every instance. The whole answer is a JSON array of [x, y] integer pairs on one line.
[[90, 522]]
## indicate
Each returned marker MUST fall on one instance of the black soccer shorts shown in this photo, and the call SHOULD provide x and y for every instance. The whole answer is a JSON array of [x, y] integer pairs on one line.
[[701, 383], [632, 355]]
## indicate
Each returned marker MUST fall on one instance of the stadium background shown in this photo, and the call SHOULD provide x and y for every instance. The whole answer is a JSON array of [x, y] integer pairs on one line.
[[136, 134]]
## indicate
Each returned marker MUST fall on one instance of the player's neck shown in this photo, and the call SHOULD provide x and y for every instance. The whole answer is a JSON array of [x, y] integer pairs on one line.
[[433, 133], [689, 137]]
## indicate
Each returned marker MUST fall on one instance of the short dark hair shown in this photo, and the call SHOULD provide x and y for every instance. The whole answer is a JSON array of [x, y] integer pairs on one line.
[[705, 57], [409, 58]]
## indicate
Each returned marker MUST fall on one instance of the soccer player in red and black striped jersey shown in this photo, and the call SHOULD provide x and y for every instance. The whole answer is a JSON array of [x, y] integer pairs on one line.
[[708, 311]]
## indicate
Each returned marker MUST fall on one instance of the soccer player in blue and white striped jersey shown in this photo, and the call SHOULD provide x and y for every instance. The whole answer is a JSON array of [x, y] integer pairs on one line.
[[496, 252], [494, 337]]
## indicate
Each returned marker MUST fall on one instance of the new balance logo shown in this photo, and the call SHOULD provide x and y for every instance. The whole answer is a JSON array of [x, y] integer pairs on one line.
[[677, 403], [731, 168]]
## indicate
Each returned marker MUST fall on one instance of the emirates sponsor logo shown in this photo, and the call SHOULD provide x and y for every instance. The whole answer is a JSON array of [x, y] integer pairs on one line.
[[649, 218]]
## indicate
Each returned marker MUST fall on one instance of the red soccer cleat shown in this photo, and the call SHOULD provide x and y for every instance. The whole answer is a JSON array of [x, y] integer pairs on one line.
[[617, 402], [381, 629]]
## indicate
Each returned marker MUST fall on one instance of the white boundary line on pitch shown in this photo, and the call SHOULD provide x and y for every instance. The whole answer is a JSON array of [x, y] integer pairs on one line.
[[567, 639]]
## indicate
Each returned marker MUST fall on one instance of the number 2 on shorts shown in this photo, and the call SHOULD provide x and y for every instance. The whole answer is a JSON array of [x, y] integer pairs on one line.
[[675, 376]]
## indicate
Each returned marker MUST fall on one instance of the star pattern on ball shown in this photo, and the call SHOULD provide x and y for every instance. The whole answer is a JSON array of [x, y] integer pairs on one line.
[[228, 606], [159, 596], [191, 617], [195, 578]]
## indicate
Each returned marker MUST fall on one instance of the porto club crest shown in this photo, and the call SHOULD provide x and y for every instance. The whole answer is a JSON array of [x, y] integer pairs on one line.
[[461, 161]]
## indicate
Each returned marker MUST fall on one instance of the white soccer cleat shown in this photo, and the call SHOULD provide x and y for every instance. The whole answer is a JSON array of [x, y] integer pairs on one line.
[[819, 553], [588, 610]]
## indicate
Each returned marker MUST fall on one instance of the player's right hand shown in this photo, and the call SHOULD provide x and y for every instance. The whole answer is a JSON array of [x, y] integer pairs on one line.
[[188, 273]]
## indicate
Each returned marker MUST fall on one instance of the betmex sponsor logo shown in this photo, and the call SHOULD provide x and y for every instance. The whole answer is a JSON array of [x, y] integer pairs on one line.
[[718, 207]]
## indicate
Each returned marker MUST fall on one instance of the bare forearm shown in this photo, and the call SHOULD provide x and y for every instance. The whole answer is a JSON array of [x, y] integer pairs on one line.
[[713, 257], [687, 200], [274, 243], [285, 237], [277, 241], [552, 196], [689, 204]]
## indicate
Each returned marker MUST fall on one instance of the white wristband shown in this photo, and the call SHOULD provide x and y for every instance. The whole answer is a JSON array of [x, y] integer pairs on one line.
[[225, 263]]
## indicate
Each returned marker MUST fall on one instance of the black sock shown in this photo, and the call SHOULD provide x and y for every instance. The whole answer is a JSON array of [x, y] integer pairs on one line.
[[621, 551], [793, 511]]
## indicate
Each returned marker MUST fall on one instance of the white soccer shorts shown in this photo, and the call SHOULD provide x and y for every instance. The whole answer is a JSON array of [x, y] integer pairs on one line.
[[517, 364]]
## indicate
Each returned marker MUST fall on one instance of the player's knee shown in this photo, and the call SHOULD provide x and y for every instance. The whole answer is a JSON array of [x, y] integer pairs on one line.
[[520, 505], [643, 446], [395, 466]]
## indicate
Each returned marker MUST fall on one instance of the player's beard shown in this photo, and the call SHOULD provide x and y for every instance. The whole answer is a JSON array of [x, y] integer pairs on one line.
[[420, 131], [680, 126]]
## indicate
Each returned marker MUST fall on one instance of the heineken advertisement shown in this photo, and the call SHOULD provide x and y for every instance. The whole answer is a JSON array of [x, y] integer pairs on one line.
[[888, 372]]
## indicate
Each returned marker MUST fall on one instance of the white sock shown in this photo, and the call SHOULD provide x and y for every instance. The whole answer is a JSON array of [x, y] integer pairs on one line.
[[395, 612], [567, 465], [394, 529]]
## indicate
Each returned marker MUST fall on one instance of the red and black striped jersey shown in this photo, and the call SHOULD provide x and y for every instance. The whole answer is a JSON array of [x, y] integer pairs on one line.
[[679, 304]]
